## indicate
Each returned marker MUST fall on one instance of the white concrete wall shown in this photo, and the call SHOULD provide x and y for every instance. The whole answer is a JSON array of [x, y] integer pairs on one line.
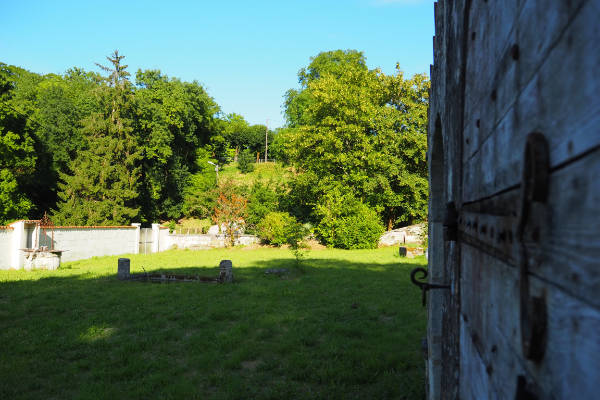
[[6, 239], [85, 242], [18, 243], [205, 241], [164, 242]]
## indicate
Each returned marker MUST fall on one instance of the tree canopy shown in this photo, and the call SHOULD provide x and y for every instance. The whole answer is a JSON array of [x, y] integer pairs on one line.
[[362, 131], [101, 149]]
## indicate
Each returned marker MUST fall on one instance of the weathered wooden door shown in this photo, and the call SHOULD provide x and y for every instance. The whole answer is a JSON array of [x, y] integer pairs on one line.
[[515, 146]]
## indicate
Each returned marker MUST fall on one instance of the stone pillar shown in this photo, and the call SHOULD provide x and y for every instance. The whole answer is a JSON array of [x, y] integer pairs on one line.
[[123, 268], [155, 238], [225, 271], [136, 245], [18, 242]]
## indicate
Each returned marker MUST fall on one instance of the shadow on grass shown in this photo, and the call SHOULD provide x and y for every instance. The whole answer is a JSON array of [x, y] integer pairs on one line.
[[335, 329]]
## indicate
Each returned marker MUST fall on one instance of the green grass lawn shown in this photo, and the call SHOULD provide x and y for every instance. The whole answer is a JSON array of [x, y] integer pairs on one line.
[[348, 326], [263, 172]]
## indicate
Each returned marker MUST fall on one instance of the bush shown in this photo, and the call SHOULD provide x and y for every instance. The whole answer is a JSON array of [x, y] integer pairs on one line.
[[279, 228], [246, 161], [262, 200], [347, 223]]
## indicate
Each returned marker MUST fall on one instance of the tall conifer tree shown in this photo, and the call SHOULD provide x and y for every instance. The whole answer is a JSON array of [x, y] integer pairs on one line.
[[104, 186]]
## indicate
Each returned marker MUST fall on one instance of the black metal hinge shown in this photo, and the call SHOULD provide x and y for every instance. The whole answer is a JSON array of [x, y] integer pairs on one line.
[[424, 286]]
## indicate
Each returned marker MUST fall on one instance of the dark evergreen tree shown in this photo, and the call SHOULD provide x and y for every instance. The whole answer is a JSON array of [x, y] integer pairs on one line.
[[103, 188]]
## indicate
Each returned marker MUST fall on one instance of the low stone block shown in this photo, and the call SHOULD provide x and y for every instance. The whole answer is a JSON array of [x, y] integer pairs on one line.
[[225, 271], [123, 268]]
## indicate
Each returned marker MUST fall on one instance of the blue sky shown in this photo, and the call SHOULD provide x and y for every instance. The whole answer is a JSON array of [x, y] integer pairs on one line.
[[246, 53]]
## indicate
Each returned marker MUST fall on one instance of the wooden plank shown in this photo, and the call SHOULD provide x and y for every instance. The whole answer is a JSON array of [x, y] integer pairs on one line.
[[541, 25], [490, 309], [570, 235], [473, 383], [489, 324], [546, 104], [490, 68]]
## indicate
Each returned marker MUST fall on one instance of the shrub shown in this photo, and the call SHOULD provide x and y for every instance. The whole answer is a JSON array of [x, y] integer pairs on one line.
[[347, 223], [230, 210], [262, 200], [279, 228], [246, 161]]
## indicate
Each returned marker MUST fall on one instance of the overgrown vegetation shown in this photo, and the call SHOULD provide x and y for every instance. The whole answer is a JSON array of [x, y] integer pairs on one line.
[[103, 150], [349, 327]]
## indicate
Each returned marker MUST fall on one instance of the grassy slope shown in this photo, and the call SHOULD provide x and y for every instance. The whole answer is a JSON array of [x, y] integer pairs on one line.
[[80, 333], [262, 172]]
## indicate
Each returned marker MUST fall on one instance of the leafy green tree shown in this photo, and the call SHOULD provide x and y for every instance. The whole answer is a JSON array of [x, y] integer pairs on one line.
[[236, 133], [17, 154], [174, 119], [362, 129], [230, 210], [346, 222], [246, 161], [263, 199], [201, 190], [256, 138], [279, 228]]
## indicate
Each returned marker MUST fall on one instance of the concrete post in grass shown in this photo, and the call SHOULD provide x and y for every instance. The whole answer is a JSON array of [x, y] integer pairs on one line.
[[123, 268], [402, 252], [225, 271]]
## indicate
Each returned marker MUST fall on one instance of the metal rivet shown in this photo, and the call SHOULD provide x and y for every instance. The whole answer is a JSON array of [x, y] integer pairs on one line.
[[514, 51]]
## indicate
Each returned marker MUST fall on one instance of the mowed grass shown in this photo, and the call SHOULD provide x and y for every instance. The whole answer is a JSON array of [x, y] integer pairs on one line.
[[346, 326], [263, 172]]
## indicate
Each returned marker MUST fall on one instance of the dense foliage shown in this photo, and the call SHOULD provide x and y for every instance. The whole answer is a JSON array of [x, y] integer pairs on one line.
[[101, 149], [98, 149], [246, 161], [360, 129], [229, 211], [347, 223]]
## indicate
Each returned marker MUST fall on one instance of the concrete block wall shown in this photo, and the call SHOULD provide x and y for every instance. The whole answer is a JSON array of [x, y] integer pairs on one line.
[[85, 242], [163, 239], [205, 241], [81, 242]]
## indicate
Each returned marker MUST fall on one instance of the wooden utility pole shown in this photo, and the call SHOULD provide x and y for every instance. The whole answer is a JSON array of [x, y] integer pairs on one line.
[[266, 139]]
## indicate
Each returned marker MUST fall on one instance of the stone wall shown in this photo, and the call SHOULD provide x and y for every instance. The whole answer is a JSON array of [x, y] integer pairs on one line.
[[205, 241], [408, 234]]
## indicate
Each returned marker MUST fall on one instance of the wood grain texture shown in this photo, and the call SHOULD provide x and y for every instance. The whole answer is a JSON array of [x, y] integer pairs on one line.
[[570, 241], [560, 101], [490, 325], [501, 71]]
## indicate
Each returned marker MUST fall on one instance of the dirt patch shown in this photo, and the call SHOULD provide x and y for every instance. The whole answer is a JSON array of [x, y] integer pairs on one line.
[[315, 245], [253, 246], [312, 244], [251, 365]]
